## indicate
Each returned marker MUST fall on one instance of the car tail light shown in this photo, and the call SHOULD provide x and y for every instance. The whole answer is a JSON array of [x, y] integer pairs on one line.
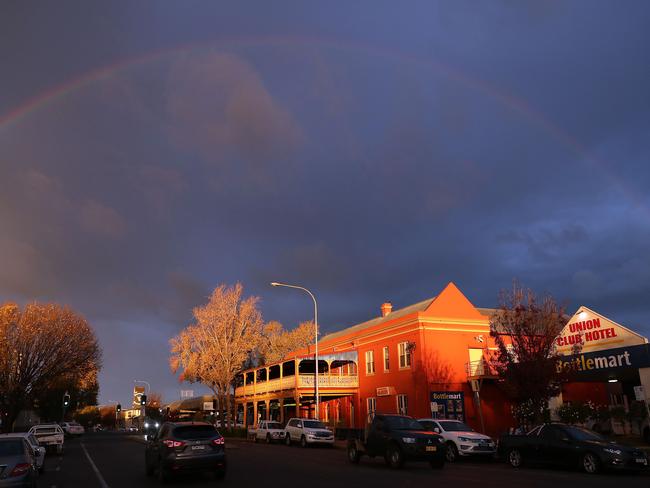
[[219, 441], [20, 469], [171, 443]]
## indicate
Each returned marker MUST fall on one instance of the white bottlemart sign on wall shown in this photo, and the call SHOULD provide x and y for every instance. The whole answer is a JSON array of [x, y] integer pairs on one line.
[[593, 332]]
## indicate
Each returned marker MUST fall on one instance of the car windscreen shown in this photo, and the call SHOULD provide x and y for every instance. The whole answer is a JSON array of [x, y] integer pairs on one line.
[[313, 424], [11, 447], [455, 426], [186, 432], [404, 423], [45, 431], [274, 425], [580, 434]]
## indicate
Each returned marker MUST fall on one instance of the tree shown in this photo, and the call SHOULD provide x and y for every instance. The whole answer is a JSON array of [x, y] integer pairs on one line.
[[40, 345], [154, 403], [524, 329], [213, 349], [276, 342]]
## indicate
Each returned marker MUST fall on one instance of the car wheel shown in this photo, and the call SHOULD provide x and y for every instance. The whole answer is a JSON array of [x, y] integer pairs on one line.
[[255, 438], [590, 463], [220, 473], [353, 454], [437, 463], [268, 438], [163, 475], [394, 457], [303, 441], [451, 453], [287, 440], [515, 458]]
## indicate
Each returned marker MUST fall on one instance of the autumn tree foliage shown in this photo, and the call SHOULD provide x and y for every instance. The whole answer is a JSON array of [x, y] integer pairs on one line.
[[276, 342], [525, 328], [42, 346], [212, 350]]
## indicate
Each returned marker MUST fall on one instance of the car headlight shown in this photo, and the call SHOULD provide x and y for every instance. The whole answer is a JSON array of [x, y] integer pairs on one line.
[[146, 425], [157, 425], [408, 440], [465, 439], [612, 451]]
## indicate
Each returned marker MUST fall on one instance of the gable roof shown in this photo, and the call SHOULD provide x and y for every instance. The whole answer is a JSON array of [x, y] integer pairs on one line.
[[416, 307]]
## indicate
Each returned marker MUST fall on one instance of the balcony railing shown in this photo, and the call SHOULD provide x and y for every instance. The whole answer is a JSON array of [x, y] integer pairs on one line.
[[304, 381], [480, 369]]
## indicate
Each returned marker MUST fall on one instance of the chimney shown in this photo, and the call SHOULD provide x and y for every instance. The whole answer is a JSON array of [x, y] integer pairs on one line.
[[386, 308]]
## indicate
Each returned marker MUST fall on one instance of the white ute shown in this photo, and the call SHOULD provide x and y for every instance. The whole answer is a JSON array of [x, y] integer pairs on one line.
[[269, 431], [49, 435], [460, 438]]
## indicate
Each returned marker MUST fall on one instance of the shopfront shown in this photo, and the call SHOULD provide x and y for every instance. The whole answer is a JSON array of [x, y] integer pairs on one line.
[[609, 364]]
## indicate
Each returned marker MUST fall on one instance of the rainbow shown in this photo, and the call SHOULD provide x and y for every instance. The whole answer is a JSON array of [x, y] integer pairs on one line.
[[516, 104]]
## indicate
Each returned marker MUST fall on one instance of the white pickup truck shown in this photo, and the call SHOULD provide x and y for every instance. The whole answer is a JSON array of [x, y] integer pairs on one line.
[[49, 435]]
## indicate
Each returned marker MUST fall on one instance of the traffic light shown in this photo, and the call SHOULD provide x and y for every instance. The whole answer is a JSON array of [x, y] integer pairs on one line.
[[66, 400], [143, 400], [118, 408]]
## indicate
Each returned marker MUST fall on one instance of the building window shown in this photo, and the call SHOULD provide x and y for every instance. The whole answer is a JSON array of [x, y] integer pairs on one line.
[[370, 362], [386, 359], [372, 407], [402, 404], [404, 352]]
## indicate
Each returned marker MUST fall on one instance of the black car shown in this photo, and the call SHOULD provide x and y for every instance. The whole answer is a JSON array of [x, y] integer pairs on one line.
[[180, 447], [398, 438], [570, 446]]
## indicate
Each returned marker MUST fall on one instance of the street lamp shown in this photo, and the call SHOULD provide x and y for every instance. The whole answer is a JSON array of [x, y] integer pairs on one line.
[[144, 410], [315, 335]]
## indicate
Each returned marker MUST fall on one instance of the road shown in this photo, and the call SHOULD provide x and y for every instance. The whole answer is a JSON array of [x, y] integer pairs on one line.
[[113, 460]]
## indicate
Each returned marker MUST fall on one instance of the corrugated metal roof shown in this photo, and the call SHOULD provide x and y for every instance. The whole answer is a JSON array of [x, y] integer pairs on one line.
[[416, 307]]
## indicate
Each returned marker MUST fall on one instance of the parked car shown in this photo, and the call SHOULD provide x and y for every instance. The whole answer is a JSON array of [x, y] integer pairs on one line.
[[398, 439], [17, 463], [460, 438], [307, 432], [269, 431], [72, 428], [568, 445], [49, 435], [184, 447], [38, 451]]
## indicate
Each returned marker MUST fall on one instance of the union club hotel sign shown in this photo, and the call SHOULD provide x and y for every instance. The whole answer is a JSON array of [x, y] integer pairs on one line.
[[589, 331]]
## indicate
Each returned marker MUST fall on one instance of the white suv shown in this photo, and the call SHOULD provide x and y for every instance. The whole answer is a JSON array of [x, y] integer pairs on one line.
[[307, 431], [269, 431], [460, 438]]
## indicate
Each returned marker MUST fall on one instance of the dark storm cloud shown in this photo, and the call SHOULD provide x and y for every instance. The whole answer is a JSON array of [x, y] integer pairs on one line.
[[342, 165]]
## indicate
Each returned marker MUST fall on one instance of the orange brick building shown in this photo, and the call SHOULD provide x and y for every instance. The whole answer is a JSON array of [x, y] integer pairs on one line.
[[422, 360]]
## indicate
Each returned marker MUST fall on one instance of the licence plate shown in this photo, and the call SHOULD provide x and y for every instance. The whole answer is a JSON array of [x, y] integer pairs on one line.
[[640, 460], [197, 448], [431, 448]]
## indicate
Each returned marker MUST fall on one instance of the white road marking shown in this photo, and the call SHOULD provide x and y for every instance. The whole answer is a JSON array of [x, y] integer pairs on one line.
[[102, 482]]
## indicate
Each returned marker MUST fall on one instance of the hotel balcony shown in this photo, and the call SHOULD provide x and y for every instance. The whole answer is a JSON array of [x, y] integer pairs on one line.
[[335, 373], [480, 369]]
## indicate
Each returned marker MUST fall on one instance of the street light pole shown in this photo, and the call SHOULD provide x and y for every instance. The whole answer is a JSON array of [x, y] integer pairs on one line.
[[144, 410], [316, 409]]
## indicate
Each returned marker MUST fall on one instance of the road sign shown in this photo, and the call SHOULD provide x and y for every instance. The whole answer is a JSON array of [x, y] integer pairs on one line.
[[639, 393]]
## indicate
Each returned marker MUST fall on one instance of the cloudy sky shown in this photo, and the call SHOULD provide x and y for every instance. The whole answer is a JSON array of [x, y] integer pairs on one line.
[[370, 151]]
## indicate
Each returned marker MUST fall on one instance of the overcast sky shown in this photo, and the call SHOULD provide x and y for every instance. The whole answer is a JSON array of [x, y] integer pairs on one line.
[[370, 151]]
